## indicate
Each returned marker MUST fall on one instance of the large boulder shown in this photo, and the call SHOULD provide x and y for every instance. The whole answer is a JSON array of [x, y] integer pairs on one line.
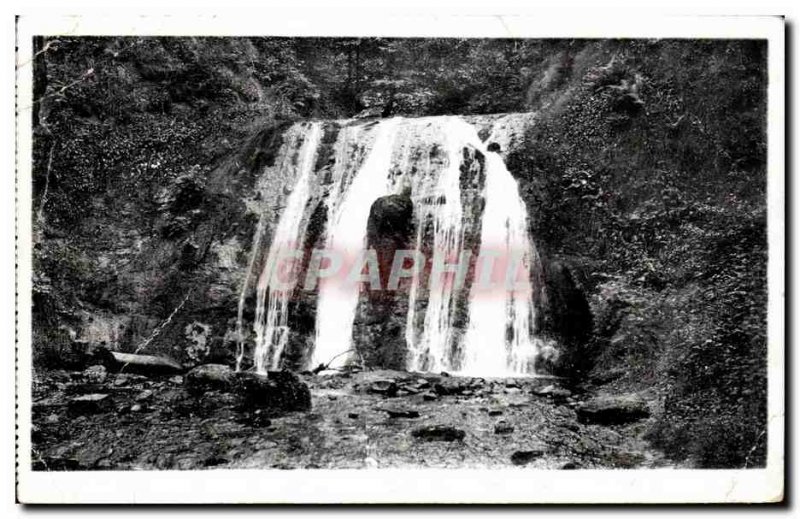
[[82, 354], [278, 391], [613, 410], [209, 377]]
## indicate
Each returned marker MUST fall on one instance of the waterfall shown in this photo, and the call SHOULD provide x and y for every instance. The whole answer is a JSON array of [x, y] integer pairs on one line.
[[469, 217], [431, 352], [273, 290], [499, 339], [347, 232]]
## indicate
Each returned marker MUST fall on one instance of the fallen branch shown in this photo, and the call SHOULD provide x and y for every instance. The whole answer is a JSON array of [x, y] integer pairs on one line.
[[323, 367], [147, 363]]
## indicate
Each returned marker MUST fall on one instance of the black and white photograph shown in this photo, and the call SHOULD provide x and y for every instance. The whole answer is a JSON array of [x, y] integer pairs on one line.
[[305, 255]]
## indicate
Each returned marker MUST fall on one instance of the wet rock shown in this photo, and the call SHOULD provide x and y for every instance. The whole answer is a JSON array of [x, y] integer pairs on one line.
[[613, 410], [398, 412], [177, 380], [420, 384], [90, 404], [444, 433], [209, 377], [449, 386], [136, 408], [391, 216], [503, 427], [96, 374], [277, 391], [124, 379], [145, 395], [558, 394], [383, 387], [526, 456]]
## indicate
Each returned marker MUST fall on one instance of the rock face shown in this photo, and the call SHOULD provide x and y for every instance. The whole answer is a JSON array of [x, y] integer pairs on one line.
[[567, 316], [379, 327], [613, 410], [279, 391]]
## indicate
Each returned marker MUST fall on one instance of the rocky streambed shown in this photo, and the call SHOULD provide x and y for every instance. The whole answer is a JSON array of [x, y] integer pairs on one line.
[[97, 419]]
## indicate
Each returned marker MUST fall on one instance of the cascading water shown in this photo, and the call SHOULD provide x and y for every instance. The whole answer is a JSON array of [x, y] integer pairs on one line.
[[499, 339], [338, 296], [464, 198], [431, 351], [273, 291]]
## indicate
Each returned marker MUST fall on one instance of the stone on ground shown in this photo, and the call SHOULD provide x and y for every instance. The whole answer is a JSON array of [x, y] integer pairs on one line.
[[399, 412], [209, 377], [503, 427], [90, 404], [277, 391], [96, 374], [526, 456], [613, 410], [443, 433]]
